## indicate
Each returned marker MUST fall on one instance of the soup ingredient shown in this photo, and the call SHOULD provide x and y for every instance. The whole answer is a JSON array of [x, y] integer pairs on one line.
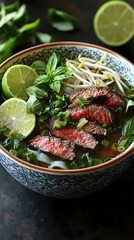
[[13, 115], [94, 128], [16, 80], [16, 30], [56, 146], [114, 23], [93, 112], [88, 72], [128, 129], [54, 74], [81, 101], [62, 21], [79, 137], [102, 94]]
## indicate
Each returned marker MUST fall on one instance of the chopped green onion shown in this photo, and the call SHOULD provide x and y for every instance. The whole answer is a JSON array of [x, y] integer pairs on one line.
[[105, 142], [59, 124], [104, 125], [121, 149], [45, 132], [115, 147], [82, 122]]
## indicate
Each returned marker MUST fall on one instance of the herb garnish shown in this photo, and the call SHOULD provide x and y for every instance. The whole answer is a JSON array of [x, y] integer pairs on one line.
[[62, 21], [81, 101], [16, 30]]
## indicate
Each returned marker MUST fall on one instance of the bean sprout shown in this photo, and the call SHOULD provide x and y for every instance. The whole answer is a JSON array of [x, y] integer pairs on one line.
[[89, 72]]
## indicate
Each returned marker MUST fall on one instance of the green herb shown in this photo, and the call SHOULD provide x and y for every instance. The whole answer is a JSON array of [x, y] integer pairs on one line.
[[37, 92], [34, 105], [18, 148], [39, 66], [115, 147], [105, 142], [55, 105], [16, 30], [54, 74], [62, 21], [62, 120], [82, 122], [128, 129], [81, 101], [3, 129], [44, 37], [87, 160]]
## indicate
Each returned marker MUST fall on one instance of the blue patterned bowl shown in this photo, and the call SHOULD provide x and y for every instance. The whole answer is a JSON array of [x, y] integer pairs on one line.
[[68, 183]]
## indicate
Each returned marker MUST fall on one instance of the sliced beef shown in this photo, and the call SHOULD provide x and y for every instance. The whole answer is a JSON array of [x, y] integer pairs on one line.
[[104, 95], [94, 128], [93, 112], [79, 137], [54, 145]]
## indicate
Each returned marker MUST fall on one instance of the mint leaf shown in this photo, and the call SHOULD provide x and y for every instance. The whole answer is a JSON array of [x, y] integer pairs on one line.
[[21, 17]]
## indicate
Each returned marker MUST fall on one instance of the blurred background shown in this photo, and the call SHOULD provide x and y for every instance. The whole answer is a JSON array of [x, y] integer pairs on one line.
[[107, 215]]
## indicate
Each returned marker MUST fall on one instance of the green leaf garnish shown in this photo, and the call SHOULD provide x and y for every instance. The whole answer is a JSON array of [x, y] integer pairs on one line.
[[62, 21]]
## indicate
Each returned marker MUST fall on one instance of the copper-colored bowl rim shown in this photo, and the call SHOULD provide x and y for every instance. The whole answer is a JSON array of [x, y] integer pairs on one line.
[[83, 170]]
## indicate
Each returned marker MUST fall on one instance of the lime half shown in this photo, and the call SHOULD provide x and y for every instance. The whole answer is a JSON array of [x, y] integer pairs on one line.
[[114, 23], [16, 80], [13, 115]]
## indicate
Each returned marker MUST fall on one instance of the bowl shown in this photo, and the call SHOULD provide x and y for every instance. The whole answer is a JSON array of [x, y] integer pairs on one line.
[[68, 183]]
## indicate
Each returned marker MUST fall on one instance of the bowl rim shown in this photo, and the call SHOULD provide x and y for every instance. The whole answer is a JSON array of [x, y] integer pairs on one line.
[[118, 158]]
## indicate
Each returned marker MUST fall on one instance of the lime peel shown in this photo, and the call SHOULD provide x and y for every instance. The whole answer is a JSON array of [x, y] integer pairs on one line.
[[17, 79], [13, 115], [114, 23]]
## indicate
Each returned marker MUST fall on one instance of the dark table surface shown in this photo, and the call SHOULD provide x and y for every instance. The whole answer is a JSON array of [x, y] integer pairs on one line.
[[107, 215]]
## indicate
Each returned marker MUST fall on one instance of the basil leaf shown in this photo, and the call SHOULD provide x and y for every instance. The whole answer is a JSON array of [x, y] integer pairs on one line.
[[129, 141], [39, 66], [44, 37], [128, 129], [6, 49], [56, 85], [62, 21], [9, 30], [7, 18], [21, 16], [11, 7], [130, 97], [52, 63], [41, 79], [33, 105], [37, 92], [30, 28], [129, 104], [61, 73]]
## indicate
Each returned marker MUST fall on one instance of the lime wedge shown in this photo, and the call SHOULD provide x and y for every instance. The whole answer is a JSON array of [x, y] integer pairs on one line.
[[114, 23], [16, 80], [13, 115]]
